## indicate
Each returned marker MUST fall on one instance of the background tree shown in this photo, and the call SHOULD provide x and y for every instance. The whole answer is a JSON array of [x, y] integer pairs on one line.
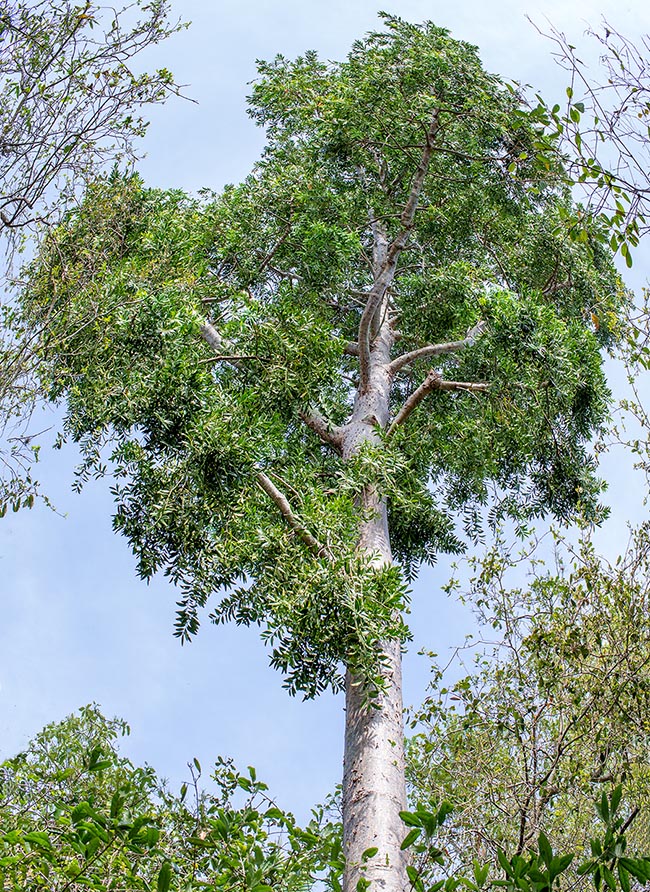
[[557, 713], [74, 815], [71, 104], [71, 97], [604, 129], [603, 133], [324, 366]]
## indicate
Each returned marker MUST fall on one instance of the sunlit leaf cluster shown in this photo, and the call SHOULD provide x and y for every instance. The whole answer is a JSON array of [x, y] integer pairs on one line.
[[76, 815]]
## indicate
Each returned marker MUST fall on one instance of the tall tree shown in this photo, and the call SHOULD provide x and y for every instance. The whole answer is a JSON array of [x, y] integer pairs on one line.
[[303, 382]]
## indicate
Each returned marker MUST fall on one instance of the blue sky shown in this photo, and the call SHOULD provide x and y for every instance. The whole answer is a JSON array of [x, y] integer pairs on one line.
[[76, 625]]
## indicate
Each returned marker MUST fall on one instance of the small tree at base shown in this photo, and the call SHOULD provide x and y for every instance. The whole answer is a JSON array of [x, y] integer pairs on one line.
[[76, 815], [306, 380]]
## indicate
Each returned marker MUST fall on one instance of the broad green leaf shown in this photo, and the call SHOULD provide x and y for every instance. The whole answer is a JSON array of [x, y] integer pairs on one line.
[[410, 819], [624, 877], [545, 849], [415, 878], [410, 837], [163, 884]]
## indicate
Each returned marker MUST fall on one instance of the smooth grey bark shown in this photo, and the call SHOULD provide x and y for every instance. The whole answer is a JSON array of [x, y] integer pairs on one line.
[[374, 788]]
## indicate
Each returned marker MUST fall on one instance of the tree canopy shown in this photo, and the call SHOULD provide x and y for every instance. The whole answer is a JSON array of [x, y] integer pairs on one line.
[[500, 317], [71, 102]]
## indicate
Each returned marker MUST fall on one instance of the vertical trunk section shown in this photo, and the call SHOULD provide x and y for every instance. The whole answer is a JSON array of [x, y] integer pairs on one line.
[[374, 789]]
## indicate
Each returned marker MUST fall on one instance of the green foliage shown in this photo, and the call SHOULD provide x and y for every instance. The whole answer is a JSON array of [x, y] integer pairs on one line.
[[73, 812], [70, 105], [75, 815], [281, 266], [557, 712], [538, 870]]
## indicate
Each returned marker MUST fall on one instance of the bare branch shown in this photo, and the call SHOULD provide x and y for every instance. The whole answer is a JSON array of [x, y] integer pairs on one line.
[[330, 434], [552, 287], [433, 381], [281, 502], [234, 359], [374, 298], [212, 336], [473, 333], [351, 349], [439, 349], [271, 254], [469, 386]]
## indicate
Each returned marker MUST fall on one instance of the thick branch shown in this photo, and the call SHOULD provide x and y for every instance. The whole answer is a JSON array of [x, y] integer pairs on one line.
[[210, 334], [433, 381], [281, 502], [431, 350], [438, 349], [328, 433], [383, 278], [385, 257], [408, 214]]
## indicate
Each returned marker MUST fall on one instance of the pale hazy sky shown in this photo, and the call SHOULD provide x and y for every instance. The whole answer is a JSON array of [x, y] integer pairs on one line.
[[75, 623]]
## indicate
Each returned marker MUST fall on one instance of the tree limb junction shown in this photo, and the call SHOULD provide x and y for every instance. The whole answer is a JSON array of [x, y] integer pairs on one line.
[[328, 433], [433, 381], [438, 349]]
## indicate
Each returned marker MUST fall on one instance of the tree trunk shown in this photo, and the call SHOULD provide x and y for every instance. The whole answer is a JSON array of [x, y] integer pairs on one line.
[[374, 787]]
